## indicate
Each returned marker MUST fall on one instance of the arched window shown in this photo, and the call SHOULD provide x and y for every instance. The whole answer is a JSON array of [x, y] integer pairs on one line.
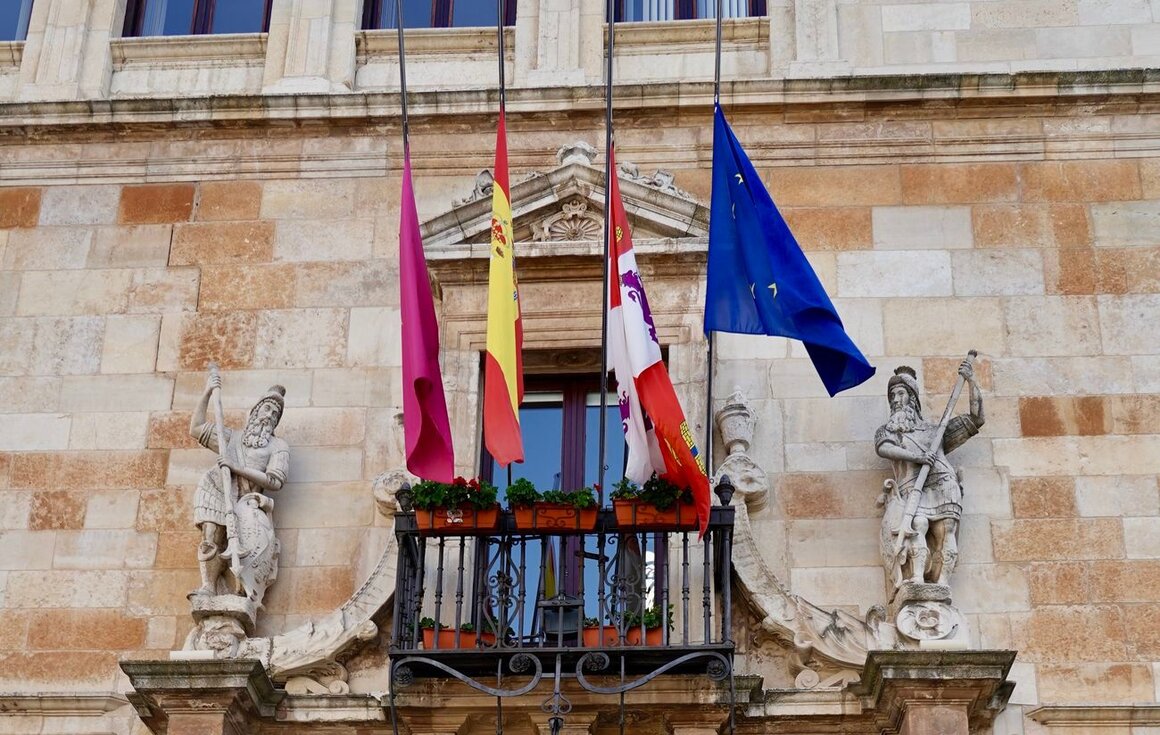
[[14, 19], [436, 13], [193, 17]]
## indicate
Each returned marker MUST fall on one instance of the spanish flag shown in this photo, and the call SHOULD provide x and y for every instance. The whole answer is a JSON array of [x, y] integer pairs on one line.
[[503, 378]]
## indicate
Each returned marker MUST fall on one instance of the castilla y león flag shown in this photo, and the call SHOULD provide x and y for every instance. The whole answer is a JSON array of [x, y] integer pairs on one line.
[[655, 429], [503, 379], [426, 430]]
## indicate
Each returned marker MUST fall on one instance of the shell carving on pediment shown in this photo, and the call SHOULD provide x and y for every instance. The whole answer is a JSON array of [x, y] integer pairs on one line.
[[574, 222]]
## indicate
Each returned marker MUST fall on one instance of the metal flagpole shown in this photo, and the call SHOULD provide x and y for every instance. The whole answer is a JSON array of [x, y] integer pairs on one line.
[[712, 335], [402, 75], [608, 174]]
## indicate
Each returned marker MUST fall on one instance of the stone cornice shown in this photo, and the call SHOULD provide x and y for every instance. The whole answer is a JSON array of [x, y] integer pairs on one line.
[[385, 43], [823, 99], [188, 50], [10, 54], [61, 704], [1094, 715]]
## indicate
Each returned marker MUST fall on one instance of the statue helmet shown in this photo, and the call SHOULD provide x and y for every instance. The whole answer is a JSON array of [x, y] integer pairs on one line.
[[276, 395], [905, 376]]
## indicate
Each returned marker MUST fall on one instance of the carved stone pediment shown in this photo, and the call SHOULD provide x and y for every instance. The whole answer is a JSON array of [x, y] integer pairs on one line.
[[558, 215]]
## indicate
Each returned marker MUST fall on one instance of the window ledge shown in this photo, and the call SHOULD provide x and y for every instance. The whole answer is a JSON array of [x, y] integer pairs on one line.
[[693, 32], [178, 50], [433, 40], [10, 54]]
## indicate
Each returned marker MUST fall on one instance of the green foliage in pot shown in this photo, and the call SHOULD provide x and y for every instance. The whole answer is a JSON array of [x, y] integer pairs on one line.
[[459, 493], [522, 492]]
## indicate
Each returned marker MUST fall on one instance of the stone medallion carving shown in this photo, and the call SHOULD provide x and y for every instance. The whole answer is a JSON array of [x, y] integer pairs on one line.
[[573, 222]]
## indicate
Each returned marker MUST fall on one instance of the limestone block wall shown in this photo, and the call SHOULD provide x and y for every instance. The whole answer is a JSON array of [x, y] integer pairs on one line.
[[129, 261]]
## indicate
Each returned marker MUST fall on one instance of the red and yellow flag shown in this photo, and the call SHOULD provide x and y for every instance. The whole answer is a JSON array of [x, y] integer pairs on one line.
[[503, 379]]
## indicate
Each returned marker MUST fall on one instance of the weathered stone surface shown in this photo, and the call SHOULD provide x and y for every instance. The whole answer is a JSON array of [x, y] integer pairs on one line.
[[922, 228], [311, 589], [133, 246], [156, 203], [959, 183], [1005, 272], [56, 509], [1043, 497], [79, 205], [26, 550], [1062, 583], [1124, 496], [1063, 375], [1121, 318], [1126, 223], [1080, 181], [75, 671], [918, 326], [353, 283], [828, 495], [883, 273], [1031, 225], [299, 338], [990, 588], [321, 240], [111, 509], [19, 207], [47, 248], [192, 341], [130, 344], [234, 287], [1063, 415], [308, 199], [1142, 538], [86, 630], [845, 586], [111, 393], [84, 470], [1125, 581], [374, 337], [1095, 683], [67, 589], [222, 243], [34, 432], [104, 549], [325, 505], [1051, 539], [1058, 633], [811, 542], [831, 228], [830, 186], [228, 200], [1052, 325]]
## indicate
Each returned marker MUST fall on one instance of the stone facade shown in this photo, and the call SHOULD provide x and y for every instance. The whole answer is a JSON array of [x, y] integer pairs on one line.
[[972, 174]]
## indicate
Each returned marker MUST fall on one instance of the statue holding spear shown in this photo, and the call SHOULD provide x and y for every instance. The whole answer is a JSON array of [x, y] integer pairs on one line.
[[925, 502]]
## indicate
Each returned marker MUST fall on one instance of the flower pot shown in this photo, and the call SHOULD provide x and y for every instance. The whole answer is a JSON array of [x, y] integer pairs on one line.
[[591, 637], [447, 639], [636, 515], [554, 517], [461, 521]]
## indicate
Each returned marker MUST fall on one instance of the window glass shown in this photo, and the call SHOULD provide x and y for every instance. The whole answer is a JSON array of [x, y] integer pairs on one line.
[[542, 425], [14, 19], [436, 13], [239, 16], [614, 446], [659, 10], [168, 18]]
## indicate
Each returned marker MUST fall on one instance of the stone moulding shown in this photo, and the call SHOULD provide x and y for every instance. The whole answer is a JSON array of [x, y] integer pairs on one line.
[[188, 50], [11, 52], [373, 44], [1098, 715], [61, 704]]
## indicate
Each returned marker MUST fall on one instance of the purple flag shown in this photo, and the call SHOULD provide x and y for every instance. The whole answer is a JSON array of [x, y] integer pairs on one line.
[[425, 426]]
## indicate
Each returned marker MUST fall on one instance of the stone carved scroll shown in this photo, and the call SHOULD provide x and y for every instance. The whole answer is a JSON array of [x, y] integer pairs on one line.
[[829, 646]]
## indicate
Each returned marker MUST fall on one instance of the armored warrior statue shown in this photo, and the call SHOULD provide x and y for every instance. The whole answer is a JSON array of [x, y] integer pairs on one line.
[[231, 508], [925, 500]]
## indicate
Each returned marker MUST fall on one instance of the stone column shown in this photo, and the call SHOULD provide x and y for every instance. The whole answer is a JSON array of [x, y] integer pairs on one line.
[[311, 47], [66, 54], [562, 43], [225, 697], [937, 692]]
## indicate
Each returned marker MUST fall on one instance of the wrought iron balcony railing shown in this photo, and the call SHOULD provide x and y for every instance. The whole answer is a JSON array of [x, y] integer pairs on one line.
[[512, 603]]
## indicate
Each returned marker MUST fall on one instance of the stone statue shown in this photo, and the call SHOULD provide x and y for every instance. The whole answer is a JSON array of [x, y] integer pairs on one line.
[[927, 522], [238, 552]]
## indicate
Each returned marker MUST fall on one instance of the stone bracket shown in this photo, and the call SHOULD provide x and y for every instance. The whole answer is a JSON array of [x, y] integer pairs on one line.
[[911, 691], [185, 696]]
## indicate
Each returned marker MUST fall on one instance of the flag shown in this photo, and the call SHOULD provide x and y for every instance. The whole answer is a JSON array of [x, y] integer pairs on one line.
[[759, 279], [655, 429], [503, 380], [426, 430]]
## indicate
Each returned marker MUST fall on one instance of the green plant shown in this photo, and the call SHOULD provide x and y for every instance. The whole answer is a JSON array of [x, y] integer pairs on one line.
[[522, 492], [625, 489], [583, 498], [657, 491], [429, 495], [591, 622], [651, 618], [427, 623]]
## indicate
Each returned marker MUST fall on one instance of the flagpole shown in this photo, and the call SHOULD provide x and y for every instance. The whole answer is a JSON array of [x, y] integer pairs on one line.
[[712, 335], [402, 75], [608, 174], [499, 7]]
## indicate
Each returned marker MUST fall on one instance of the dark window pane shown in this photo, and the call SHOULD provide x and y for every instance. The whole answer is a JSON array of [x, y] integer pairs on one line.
[[474, 13], [541, 423], [14, 19], [614, 443], [239, 16], [416, 13], [167, 18]]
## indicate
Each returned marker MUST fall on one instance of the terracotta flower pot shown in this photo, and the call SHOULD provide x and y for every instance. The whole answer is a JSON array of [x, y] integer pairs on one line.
[[447, 639], [461, 521], [554, 517], [636, 515], [591, 637]]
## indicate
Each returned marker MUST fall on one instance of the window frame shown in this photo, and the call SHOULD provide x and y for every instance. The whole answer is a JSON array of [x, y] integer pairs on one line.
[[442, 14], [200, 23], [687, 10]]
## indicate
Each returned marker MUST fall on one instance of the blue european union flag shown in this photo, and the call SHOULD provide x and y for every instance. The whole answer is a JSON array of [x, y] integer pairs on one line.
[[759, 279]]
